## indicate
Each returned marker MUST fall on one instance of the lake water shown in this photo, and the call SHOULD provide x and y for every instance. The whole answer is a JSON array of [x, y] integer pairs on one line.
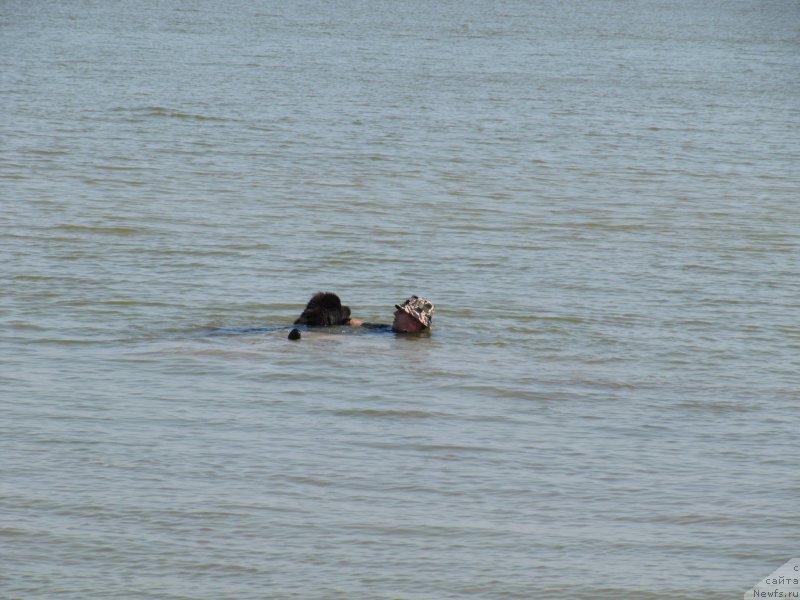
[[602, 199]]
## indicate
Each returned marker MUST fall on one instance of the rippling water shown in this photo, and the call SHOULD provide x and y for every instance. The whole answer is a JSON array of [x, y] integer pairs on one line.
[[600, 197]]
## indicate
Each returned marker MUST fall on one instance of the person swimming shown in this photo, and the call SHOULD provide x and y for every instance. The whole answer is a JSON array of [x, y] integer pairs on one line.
[[414, 315], [325, 309]]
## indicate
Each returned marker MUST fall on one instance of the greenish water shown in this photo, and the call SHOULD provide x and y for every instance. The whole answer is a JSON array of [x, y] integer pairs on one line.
[[600, 197]]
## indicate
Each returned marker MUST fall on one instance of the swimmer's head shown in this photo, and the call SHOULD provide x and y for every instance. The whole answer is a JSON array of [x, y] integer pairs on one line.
[[413, 315]]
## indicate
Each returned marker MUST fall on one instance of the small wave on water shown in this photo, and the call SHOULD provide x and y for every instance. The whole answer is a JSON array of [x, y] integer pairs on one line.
[[82, 230], [145, 112], [378, 413]]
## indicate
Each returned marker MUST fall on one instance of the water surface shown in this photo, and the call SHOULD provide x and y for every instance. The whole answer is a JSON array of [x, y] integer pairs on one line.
[[600, 197]]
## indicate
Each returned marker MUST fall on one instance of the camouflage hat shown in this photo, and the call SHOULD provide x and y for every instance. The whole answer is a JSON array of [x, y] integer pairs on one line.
[[420, 308]]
